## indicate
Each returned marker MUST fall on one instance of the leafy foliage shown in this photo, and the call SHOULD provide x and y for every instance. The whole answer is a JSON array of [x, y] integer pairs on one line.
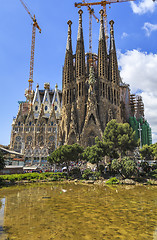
[[126, 167], [65, 154], [145, 167], [112, 180], [146, 152], [89, 174], [119, 138], [75, 173], [93, 154], [154, 150], [32, 176]]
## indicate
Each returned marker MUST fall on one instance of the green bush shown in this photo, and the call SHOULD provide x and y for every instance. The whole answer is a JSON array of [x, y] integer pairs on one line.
[[113, 180], [75, 173], [96, 175], [87, 173], [32, 176], [125, 167]]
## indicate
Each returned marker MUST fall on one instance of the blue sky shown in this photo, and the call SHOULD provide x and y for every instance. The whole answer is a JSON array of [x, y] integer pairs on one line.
[[136, 43]]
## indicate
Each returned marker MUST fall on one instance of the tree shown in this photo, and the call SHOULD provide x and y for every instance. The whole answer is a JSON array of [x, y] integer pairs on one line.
[[126, 167], [2, 164], [65, 154], [145, 167], [120, 138], [154, 150], [93, 154], [146, 152]]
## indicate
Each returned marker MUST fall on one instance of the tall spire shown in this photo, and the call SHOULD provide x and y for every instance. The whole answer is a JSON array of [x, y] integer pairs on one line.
[[80, 31], [68, 63], [101, 32], [80, 53], [112, 41], [102, 51], [69, 42], [113, 64], [113, 69]]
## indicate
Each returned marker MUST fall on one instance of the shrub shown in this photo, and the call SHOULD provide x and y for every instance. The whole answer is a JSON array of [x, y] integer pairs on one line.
[[96, 175], [88, 173], [113, 180], [145, 167], [126, 167], [75, 173]]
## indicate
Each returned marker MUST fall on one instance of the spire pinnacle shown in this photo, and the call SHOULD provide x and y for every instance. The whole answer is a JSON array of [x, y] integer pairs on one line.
[[101, 33], [80, 16], [80, 33], [112, 44], [101, 13], [111, 30], [69, 45]]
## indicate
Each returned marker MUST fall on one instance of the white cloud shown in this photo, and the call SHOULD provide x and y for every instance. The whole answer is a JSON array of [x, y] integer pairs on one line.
[[139, 69], [143, 7], [149, 27], [124, 35]]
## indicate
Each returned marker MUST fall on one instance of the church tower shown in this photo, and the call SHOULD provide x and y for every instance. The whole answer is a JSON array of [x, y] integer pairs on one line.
[[90, 98], [68, 87], [114, 78], [102, 74], [113, 69], [80, 73]]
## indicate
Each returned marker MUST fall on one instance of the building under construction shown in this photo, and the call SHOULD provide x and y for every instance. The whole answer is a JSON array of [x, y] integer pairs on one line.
[[92, 95]]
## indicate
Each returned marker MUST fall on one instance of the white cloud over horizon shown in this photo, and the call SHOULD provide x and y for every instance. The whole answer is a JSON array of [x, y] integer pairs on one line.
[[143, 7], [149, 28], [124, 35], [139, 69]]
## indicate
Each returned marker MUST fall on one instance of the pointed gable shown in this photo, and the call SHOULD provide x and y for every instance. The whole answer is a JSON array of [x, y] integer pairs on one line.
[[46, 100], [56, 103], [36, 102]]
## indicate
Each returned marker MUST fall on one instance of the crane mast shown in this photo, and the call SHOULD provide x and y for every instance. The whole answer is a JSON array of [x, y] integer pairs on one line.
[[91, 13], [103, 4], [29, 92]]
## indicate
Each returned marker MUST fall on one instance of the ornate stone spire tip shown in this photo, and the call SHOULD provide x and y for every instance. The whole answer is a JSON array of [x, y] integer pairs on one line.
[[102, 15], [101, 12], [80, 12], [111, 23], [69, 23]]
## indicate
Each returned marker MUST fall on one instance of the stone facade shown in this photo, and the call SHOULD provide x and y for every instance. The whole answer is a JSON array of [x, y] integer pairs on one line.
[[91, 92], [35, 129]]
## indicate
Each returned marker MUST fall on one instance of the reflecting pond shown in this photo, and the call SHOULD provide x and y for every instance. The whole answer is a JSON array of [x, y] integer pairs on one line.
[[68, 211]]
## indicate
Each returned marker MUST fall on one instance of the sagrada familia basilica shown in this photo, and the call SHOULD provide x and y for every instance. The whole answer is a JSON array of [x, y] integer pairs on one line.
[[92, 95]]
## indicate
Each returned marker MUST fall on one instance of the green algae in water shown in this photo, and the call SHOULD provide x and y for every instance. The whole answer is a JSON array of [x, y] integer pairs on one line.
[[80, 212]]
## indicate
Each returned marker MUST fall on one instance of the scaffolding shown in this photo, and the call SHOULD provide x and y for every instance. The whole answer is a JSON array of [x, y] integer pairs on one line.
[[145, 129]]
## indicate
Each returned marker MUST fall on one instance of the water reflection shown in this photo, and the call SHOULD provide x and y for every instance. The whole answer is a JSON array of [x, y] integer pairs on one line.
[[2, 207], [80, 212]]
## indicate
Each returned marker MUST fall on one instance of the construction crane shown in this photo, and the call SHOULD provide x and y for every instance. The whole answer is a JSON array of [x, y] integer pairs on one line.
[[103, 4], [29, 92], [91, 13]]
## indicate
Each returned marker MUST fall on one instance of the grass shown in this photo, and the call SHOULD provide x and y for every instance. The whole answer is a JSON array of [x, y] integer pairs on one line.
[[112, 180], [32, 177]]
